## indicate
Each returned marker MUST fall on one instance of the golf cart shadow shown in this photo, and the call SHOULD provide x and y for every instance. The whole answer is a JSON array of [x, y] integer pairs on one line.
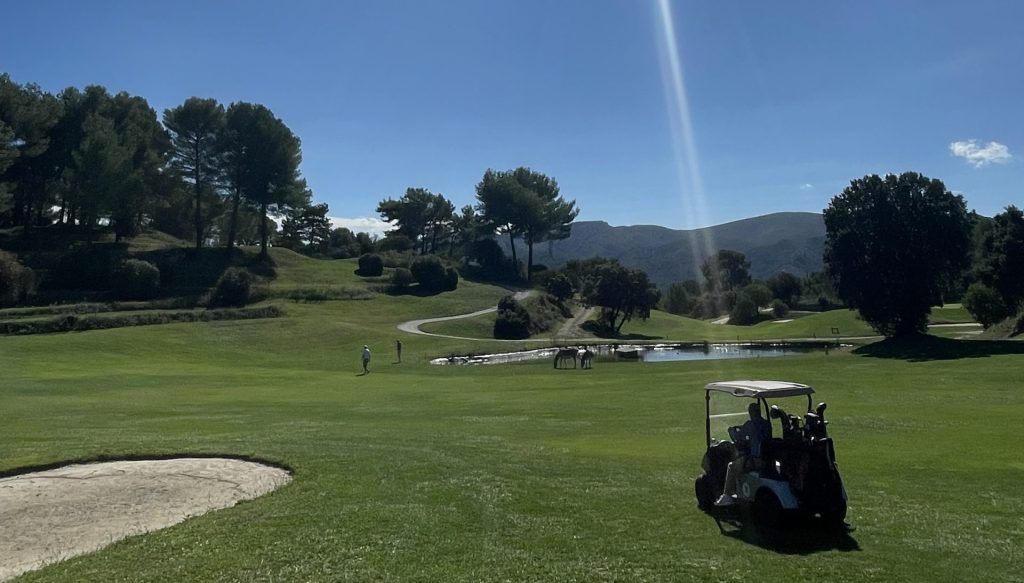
[[806, 538]]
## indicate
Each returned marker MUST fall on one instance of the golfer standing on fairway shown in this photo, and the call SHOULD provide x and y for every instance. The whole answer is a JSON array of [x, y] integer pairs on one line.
[[366, 359]]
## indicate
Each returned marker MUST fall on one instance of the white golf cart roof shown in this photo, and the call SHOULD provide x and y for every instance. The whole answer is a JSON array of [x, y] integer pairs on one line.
[[760, 389]]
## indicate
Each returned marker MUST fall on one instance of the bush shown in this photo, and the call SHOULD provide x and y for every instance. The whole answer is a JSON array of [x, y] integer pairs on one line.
[[233, 288], [744, 312], [370, 265], [513, 321], [75, 323], [779, 308], [395, 242], [986, 305], [89, 266], [544, 313], [758, 293], [401, 278], [429, 272], [396, 259], [136, 280], [560, 288], [451, 279], [17, 282], [487, 253]]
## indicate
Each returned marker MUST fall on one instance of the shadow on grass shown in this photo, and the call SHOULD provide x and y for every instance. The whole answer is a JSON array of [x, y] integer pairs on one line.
[[417, 291], [805, 537], [922, 348], [604, 332], [142, 457]]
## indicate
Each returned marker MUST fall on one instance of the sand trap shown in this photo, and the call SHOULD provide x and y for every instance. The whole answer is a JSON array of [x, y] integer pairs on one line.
[[57, 514]]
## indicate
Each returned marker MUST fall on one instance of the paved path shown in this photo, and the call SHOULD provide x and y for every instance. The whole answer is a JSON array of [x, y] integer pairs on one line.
[[413, 326], [571, 328]]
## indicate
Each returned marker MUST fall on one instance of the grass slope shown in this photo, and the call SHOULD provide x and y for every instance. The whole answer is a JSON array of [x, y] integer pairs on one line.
[[513, 472], [665, 326]]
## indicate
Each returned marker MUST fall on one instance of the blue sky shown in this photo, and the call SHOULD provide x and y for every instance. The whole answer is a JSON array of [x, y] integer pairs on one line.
[[786, 101]]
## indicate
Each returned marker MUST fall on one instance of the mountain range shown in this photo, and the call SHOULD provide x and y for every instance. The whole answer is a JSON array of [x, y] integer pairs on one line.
[[790, 241]]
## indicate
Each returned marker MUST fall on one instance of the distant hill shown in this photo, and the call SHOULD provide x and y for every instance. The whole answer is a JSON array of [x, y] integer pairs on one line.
[[791, 242]]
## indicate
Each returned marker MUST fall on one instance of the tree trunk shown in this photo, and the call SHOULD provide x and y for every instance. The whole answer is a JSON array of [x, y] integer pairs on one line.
[[263, 230], [233, 227], [515, 262], [199, 200], [529, 260]]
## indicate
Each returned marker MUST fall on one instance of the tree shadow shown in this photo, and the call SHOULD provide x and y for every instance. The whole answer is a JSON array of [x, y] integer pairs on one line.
[[923, 348], [803, 537], [417, 291], [601, 331]]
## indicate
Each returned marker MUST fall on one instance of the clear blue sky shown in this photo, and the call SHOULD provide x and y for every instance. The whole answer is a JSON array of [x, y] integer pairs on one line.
[[787, 101]]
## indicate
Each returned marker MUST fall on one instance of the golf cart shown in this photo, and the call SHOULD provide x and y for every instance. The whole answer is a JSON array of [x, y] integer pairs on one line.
[[796, 472]]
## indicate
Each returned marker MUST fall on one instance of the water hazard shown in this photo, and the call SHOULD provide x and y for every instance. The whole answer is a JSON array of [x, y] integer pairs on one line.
[[651, 352]]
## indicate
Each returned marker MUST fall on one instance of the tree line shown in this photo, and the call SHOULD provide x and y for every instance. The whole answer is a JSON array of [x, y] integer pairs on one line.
[[895, 246], [520, 203], [90, 159]]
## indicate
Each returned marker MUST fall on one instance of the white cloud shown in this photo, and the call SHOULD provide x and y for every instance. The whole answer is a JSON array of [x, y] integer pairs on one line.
[[371, 225], [806, 186], [978, 155]]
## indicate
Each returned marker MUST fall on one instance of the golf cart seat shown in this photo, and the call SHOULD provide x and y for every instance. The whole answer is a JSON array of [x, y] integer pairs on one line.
[[782, 457]]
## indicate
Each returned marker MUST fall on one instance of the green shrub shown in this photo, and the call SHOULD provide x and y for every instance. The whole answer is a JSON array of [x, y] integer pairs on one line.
[[370, 265], [544, 313], [744, 312], [87, 266], [451, 279], [560, 287], [17, 282], [429, 272], [758, 293], [136, 280], [779, 308], [233, 288], [313, 294], [401, 278], [395, 259], [986, 305], [74, 323], [513, 321], [395, 242]]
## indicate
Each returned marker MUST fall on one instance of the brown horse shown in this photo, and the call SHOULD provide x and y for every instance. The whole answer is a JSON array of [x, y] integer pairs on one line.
[[565, 354], [586, 358]]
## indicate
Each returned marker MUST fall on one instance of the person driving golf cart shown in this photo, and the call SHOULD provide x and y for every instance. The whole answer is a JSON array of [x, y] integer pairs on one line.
[[749, 439], [774, 477]]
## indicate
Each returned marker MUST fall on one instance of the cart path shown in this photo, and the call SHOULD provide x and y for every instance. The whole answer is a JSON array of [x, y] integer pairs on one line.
[[571, 327], [413, 326]]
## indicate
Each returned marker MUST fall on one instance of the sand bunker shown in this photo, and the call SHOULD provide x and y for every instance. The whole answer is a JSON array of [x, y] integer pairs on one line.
[[57, 514]]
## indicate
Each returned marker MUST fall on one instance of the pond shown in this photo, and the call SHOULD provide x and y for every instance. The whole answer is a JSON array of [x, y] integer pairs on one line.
[[653, 352]]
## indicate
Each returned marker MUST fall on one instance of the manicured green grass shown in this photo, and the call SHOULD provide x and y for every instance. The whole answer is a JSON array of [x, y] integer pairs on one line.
[[511, 472], [950, 314], [665, 326], [662, 326]]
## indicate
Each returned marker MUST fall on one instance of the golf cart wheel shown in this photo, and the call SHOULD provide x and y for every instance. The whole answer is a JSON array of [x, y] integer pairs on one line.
[[835, 516], [767, 510], [705, 490]]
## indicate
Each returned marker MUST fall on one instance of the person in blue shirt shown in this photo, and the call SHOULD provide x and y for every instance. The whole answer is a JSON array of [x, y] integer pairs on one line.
[[751, 437]]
